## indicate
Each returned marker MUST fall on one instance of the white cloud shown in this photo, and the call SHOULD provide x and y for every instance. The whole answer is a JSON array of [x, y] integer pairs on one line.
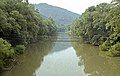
[[77, 6]]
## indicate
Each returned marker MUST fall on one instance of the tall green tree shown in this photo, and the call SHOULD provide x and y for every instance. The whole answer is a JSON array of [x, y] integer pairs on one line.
[[100, 25], [20, 24]]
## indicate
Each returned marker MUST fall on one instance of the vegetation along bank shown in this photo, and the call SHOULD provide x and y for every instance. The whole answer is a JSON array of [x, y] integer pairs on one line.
[[100, 25], [20, 25]]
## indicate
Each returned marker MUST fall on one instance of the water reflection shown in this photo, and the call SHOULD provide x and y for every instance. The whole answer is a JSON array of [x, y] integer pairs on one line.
[[96, 65], [62, 63], [60, 44], [31, 60], [62, 59]]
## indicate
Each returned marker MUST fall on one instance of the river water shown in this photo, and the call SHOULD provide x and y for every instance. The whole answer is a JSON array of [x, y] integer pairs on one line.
[[60, 58]]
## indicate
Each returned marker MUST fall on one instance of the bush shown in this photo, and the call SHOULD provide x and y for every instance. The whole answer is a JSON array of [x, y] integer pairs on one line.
[[95, 40], [105, 46], [20, 49], [6, 51], [1, 64], [115, 50]]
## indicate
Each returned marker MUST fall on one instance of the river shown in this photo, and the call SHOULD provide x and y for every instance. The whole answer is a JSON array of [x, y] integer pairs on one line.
[[64, 58]]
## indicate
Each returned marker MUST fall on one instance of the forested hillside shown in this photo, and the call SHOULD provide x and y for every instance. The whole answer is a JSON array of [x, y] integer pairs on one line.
[[20, 24], [60, 15], [100, 25]]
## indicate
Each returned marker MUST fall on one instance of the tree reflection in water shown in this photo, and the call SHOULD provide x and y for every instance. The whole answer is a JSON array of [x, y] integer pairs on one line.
[[95, 65], [31, 60]]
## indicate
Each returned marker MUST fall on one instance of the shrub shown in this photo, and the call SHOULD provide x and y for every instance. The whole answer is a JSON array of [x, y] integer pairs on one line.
[[1, 64], [105, 46], [20, 49], [6, 51], [115, 50]]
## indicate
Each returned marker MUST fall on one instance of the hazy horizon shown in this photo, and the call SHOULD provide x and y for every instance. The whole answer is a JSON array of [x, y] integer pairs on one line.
[[76, 6]]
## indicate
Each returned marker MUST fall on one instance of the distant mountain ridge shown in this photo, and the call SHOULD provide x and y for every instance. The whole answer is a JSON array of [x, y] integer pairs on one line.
[[60, 15]]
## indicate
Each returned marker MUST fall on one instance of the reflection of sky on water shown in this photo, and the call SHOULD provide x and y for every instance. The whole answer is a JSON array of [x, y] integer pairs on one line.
[[63, 63]]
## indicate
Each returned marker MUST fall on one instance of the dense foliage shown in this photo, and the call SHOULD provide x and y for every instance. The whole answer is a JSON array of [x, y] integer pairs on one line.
[[20, 24], [6, 51], [100, 25]]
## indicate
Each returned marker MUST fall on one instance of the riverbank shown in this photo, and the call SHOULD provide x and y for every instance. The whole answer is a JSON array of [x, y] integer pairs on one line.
[[55, 58]]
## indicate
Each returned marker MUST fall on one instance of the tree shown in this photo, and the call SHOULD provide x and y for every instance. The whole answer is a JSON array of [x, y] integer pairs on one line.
[[100, 26], [20, 24]]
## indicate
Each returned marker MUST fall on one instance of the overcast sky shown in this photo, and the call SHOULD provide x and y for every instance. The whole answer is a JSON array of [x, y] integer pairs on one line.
[[77, 6]]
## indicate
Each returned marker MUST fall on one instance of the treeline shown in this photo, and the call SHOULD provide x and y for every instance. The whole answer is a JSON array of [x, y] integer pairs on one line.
[[20, 24], [100, 25]]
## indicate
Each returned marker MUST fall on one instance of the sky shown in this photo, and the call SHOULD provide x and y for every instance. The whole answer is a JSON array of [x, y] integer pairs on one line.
[[77, 6]]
